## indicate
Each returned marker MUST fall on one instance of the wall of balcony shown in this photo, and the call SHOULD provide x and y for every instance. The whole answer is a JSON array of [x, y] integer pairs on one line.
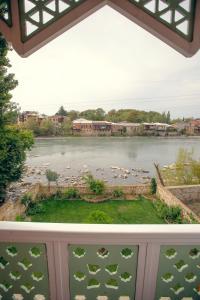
[[103, 262]]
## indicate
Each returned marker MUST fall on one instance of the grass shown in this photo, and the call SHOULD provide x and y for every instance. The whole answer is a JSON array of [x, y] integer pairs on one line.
[[121, 212]]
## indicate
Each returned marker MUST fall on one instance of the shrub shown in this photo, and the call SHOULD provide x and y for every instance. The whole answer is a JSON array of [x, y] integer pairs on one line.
[[51, 177], [26, 199], [153, 186], [117, 193], [139, 198], [71, 193], [35, 208], [172, 214], [41, 197], [99, 217], [20, 218], [56, 195], [96, 186]]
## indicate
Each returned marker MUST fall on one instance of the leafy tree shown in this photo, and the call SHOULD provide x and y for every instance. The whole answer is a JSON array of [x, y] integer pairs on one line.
[[13, 141], [93, 114], [47, 128], [61, 112], [13, 146], [12, 112], [183, 171], [168, 118], [73, 115], [66, 128], [195, 167], [33, 125]]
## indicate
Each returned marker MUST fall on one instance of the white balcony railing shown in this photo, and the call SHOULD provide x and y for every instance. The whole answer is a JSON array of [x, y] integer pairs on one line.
[[79, 261]]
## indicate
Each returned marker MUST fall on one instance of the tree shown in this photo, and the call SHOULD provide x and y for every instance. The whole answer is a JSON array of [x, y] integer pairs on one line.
[[168, 118], [33, 125], [47, 128], [51, 177], [12, 112], [61, 112], [73, 115], [66, 128], [13, 146], [13, 141]]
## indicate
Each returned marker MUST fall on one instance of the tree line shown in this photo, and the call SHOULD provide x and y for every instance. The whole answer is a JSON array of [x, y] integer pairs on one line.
[[128, 115], [48, 128]]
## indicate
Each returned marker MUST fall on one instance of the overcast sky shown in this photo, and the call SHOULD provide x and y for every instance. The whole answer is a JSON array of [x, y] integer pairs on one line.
[[107, 61]]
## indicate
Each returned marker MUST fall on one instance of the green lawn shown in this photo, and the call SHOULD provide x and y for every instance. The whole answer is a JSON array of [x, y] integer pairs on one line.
[[121, 212]]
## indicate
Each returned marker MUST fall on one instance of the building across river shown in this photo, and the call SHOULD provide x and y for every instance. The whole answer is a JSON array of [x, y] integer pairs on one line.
[[83, 127]]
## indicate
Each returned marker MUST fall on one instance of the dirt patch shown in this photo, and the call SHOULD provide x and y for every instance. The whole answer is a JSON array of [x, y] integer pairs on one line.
[[194, 206], [10, 210]]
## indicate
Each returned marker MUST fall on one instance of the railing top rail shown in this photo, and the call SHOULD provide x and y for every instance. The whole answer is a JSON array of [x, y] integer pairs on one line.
[[106, 229]]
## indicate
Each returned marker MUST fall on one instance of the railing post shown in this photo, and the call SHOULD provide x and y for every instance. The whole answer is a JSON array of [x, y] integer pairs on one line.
[[141, 271], [62, 270], [51, 269], [151, 271]]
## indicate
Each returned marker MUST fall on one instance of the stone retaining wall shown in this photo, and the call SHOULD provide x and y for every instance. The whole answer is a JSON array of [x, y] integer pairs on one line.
[[11, 209], [135, 190], [171, 200], [186, 193], [165, 194]]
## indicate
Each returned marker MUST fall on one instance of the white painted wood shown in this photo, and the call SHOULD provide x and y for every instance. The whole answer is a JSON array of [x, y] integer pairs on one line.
[[151, 270], [51, 270], [141, 271], [149, 238]]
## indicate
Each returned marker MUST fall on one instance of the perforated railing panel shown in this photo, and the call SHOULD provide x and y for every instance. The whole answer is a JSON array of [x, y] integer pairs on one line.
[[179, 273], [178, 15], [102, 272], [35, 15], [23, 272]]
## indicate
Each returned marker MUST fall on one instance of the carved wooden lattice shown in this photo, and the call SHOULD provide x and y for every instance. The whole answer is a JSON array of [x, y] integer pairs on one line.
[[38, 14], [178, 15], [5, 12], [179, 273], [103, 272], [23, 272]]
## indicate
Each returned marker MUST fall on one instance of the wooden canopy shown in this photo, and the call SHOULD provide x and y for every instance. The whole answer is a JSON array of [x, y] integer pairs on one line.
[[30, 24]]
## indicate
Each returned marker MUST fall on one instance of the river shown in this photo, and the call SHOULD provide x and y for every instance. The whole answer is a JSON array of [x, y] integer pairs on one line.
[[71, 156]]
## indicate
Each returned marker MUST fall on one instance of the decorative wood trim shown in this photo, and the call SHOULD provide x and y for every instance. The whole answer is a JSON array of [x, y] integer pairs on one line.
[[82, 11]]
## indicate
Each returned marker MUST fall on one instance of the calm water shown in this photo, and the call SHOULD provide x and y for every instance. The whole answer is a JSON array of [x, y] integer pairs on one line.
[[70, 156]]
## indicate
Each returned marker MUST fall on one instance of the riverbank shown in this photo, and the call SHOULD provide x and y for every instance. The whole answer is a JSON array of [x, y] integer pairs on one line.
[[120, 136]]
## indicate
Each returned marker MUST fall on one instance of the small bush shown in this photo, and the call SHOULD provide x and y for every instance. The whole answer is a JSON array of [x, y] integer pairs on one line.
[[139, 198], [41, 197], [118, 193], [20, 218], [58, 194], [99, 217], [71, 193], [96, 186], [172, 214], [35, 208], [153, 186], [51, 177], [26, 199]]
